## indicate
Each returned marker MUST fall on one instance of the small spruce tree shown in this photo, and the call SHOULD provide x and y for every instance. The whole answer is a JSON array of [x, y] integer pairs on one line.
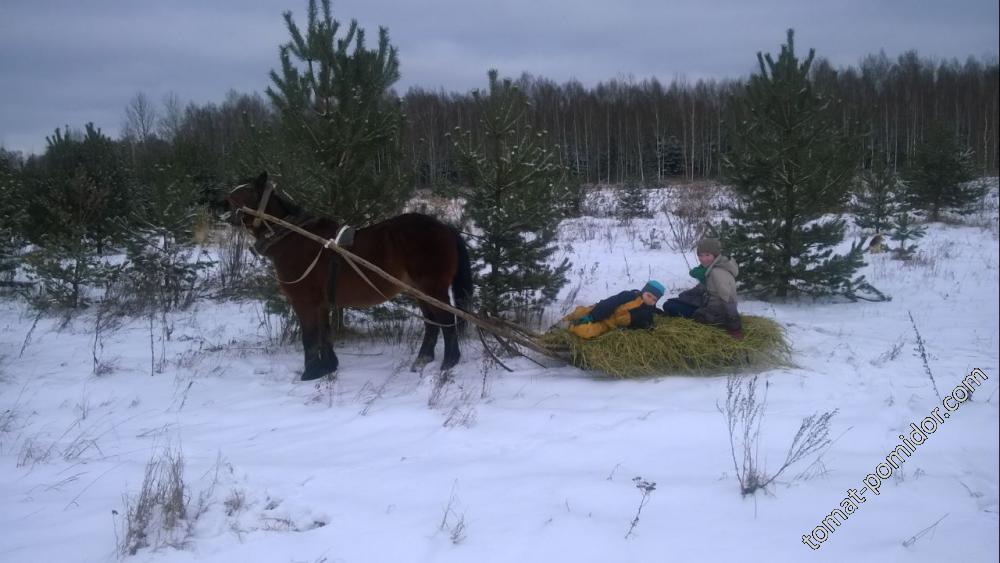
[[790, 164], [67, 261], [12, 214], [673, 157], [633, 202], [939, 174], [877, 196], [516, 196], [162, 266], [904, 230]]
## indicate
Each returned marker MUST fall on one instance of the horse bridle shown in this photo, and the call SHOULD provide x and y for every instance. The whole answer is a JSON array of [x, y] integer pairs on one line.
[[264, 199], [268, 189]]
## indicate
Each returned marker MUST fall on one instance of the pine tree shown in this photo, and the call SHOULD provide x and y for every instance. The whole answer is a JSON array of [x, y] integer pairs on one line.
[[516, 197], [633, 201], [67, 260], [939, 174], [904, 230], [673, 157], [84, 175], [338, 142], [162, 267], [878, 196], [790, 164], [79, 199], [12, 214]]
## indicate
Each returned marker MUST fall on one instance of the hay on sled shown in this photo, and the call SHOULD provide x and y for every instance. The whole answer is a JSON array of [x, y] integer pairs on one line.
[[674, 346]]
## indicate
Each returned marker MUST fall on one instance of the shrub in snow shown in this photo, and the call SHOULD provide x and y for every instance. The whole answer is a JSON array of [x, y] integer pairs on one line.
[[744, 411], [163, 514]]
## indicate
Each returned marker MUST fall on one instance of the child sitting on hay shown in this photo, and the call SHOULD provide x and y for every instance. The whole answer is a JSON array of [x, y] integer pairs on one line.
[[632, 308], [713, 300]]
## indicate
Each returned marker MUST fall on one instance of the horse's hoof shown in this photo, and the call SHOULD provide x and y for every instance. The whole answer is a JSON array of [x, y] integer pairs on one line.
[[310, 375], [419, 364], [448, 364]]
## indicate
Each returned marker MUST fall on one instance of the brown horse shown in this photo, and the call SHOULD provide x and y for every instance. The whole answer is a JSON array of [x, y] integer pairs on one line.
[[416, 249]]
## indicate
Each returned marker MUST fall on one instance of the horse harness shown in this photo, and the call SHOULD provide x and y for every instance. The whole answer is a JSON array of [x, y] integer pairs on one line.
[[274, 235], [344, 238]]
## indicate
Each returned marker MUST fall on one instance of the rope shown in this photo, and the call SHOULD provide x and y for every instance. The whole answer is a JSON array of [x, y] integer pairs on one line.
[[350, 262], [308, 270], [263, 205]]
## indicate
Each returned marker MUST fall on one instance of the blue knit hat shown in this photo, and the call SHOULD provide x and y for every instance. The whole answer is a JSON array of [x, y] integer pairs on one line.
[[654, 287]]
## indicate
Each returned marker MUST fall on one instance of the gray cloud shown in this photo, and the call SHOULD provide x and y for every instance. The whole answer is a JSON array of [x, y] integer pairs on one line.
[[70, 62]]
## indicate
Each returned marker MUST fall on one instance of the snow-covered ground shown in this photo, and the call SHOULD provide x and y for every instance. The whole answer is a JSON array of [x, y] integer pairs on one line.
[[383, 465]]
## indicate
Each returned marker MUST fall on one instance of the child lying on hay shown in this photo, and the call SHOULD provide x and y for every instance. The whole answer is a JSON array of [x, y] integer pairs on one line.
[[675, 345], [633, 308]]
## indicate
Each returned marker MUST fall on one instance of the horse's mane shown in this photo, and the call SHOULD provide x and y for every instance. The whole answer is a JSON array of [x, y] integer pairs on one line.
[[284, 199], [290, 206]]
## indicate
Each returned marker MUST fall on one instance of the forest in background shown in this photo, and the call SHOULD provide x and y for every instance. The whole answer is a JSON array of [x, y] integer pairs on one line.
[[616, 131]]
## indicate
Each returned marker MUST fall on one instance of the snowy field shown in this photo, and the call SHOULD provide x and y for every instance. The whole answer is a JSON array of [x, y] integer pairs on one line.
[[383, 465]]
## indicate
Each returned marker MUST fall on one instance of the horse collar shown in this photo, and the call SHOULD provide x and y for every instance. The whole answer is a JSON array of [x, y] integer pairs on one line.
[[269, 238], [345, 236]]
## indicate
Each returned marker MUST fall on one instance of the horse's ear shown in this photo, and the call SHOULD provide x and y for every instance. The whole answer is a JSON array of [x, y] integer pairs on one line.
[[261, 181]]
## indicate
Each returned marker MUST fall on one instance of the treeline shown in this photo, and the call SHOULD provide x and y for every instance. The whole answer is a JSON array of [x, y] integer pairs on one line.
[[648, 131], [616, 131]]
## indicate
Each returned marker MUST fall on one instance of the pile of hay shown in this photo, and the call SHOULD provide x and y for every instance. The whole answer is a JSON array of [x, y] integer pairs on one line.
[[674, 346]]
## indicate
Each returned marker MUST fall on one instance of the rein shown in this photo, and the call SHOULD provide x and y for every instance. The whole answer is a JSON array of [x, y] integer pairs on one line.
[[273, 236], [345, 230], [350, 262], [308, 270]]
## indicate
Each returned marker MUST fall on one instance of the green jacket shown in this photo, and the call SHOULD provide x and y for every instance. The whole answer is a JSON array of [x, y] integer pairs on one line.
[[715, 297]]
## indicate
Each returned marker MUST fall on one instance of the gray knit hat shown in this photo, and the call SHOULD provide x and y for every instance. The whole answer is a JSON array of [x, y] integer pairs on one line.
[[709, 246]]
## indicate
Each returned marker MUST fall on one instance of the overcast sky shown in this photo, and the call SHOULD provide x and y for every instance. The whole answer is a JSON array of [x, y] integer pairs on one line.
[[67, 62]]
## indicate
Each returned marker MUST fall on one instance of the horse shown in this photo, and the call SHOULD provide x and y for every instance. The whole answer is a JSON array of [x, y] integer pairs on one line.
[[416, 249]]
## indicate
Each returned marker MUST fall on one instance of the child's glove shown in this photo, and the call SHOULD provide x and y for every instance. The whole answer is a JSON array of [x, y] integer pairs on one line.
[[698, 273], [584, 320]]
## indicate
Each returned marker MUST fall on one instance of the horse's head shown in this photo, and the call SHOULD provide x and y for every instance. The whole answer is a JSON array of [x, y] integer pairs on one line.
[[258, 195]]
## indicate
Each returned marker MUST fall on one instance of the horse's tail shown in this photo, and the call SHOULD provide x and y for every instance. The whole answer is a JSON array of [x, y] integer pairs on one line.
[[461, 284]]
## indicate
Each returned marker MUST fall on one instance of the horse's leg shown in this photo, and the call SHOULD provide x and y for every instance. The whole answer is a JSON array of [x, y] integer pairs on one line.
[[426, 354], [444, 321], [320, 359], [328, 358], [451, 353]]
